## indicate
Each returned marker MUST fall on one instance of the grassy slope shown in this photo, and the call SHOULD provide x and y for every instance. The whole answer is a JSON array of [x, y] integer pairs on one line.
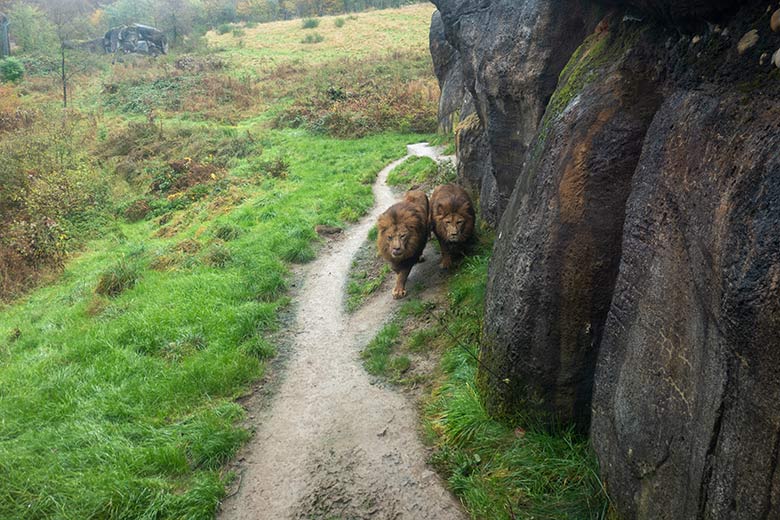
[[267, 46], [122, 407]]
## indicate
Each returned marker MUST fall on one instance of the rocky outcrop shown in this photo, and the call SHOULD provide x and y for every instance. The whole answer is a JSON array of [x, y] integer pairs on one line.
[[686, 421], [680, 11], [448, 70], [634, 287], [509, 74], [556, 259]]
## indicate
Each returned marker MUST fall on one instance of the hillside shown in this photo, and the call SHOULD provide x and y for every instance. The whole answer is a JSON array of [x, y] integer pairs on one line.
[[188, 186]]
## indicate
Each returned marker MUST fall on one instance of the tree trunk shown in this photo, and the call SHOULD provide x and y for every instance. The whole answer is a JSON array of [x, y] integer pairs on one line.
[[64, 77]]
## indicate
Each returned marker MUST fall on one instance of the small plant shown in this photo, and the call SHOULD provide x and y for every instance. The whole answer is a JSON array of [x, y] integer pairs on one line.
[[218, 255], [313, 38], [11, 70], [250, 25], [117, 278], [137, 210], [227, 232], [276, 167], [238, 32], [339, 22], [223, 28], [310, 23]]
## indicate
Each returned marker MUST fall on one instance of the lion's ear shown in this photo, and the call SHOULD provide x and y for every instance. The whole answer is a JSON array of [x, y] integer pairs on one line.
[[439, 209]]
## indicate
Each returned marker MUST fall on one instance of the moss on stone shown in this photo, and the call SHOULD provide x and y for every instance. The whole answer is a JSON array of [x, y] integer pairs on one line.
[[587, 63]]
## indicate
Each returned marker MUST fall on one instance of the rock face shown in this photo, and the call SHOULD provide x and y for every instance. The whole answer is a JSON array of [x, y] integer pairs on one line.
[[556, 259], [448, 70], [509, 74], [675, 10], [686, 421], [634, 289]]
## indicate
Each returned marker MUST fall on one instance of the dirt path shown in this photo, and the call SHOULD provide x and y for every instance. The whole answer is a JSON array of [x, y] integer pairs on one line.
[[332, 445]]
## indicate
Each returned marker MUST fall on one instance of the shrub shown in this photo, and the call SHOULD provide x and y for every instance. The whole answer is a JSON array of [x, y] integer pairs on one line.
[[313, 38], [117, 278], [137, 210], [275, 167], [11, 70], [223, 28], [310, 23], [238, 33], [338, 22]]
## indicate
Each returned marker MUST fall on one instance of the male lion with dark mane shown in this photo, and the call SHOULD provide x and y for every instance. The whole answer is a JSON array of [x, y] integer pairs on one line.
[[403, 233], [452, 218]]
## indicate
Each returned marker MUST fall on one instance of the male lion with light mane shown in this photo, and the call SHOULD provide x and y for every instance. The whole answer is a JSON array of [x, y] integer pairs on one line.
[[403, 233], [452, 218]]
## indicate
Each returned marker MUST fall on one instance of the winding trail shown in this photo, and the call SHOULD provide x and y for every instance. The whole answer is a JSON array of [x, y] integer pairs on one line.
[[331, 444]]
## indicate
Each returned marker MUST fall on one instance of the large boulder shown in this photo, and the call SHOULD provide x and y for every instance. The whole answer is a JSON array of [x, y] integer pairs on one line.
[[635, 281], [686, 419], [556, 259], [511, 74], [447, 67]]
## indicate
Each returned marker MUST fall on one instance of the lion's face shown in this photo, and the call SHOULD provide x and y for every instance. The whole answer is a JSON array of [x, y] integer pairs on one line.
[[403, 230], [452, 214], [456, 226], [396, 241]]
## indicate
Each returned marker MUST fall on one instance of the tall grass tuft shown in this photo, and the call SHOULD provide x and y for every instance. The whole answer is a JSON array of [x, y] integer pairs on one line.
[[117, 278], [501, 469], [313, 38], [310, 23]]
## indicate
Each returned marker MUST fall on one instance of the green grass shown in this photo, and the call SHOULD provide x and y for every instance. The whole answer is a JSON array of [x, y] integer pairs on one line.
[[420, 172], [118, 381], [313, 38], [366, 275], [414, 170], [122, 407], [500, 470], [376, 355]]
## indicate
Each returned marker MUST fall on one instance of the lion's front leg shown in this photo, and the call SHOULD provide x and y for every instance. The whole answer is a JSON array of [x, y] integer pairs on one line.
[[400, 284], [446, 255]]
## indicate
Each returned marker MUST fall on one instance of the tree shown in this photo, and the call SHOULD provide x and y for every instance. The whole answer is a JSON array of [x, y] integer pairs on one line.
[[176, 18], [33, 32], [70, 20]]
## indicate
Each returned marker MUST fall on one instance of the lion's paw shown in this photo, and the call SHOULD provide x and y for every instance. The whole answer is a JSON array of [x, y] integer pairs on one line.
[[399, 293]]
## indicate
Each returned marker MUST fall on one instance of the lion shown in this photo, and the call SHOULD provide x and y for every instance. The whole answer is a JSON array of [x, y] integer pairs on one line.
[[452, 219], [402, 234]]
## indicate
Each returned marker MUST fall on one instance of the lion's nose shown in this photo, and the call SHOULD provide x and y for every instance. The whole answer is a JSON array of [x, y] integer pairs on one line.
[[396, 250]]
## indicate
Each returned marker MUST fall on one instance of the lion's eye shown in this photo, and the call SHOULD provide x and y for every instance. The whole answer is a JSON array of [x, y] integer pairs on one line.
[[460, 222], [403, 236], [389, 237]]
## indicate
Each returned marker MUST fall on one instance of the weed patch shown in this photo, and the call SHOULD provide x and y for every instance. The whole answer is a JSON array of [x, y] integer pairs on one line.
[[366, 276], [501, 470], [421, 173], [117, 278], [313, 38]]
